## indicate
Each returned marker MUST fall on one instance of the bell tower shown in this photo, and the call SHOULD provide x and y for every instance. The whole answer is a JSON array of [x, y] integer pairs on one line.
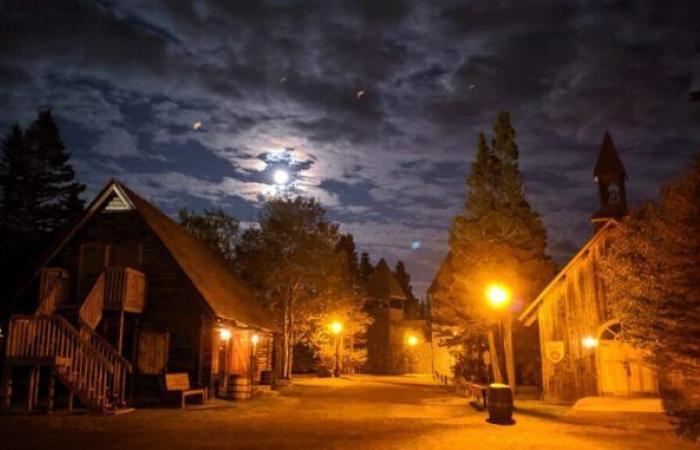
[[610, 175]]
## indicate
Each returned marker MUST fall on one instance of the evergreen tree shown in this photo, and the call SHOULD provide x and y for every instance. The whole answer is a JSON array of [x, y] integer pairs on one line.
[[39, 196], [403, 278], [652, 279], [346, 244], [499, 239], [366, 267]]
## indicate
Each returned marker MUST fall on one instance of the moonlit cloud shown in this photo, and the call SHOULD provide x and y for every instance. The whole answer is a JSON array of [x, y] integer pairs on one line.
[[372, 107]]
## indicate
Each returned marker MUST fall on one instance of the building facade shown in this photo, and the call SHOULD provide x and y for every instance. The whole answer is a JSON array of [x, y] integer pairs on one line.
[[396, 343], [124, 297], [580, 339]]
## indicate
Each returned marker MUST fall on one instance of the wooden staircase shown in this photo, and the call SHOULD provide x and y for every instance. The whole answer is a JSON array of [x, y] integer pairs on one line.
[[76, 355], [95, 374]]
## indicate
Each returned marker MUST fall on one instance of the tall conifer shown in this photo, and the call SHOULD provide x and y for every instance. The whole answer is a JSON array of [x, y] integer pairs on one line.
[[499, 238]]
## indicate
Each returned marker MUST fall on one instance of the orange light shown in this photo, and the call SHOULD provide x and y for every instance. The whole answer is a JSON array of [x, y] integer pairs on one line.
[[336, 327], [589, 342], [412, 340], [225, 334], [497, 296], [255, 339]]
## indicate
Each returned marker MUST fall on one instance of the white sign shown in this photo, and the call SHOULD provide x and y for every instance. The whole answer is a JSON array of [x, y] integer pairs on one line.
[[554, 350]]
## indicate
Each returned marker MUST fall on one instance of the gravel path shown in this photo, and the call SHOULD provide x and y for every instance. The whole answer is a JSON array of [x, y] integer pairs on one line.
[[360, 413]]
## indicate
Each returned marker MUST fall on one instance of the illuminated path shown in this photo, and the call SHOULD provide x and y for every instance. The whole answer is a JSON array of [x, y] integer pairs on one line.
[[361, 413]]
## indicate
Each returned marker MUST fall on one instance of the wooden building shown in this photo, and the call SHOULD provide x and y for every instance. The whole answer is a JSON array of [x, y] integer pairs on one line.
[[396, 344], [580, 341], [125, 296]]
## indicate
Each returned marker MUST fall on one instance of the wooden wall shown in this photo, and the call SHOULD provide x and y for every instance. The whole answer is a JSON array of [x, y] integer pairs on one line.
[[571, 310], [172, 304]]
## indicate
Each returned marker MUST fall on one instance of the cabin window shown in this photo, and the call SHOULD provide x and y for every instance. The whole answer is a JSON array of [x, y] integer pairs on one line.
[[153, 352]]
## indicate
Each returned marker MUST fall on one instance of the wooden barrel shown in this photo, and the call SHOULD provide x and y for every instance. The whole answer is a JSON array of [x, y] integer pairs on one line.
[[500, 403], [238, 387], [266, 377]]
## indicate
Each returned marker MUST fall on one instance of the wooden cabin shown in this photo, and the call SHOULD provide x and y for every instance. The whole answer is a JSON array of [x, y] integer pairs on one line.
[[124, 297], [580, 341], [395, 344]]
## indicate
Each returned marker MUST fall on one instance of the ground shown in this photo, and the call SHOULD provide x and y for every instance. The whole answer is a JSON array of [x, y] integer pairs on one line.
[[359, 413]]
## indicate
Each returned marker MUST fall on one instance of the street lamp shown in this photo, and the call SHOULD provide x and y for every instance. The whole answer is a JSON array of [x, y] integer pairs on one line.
[[498, 298], [336, 329]]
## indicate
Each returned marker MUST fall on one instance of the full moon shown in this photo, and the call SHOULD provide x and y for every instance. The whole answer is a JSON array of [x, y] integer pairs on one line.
[[281, 176]]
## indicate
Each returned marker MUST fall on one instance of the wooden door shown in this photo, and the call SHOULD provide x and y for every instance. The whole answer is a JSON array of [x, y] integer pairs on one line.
[[93, 259], [153, 349], [623, 372]]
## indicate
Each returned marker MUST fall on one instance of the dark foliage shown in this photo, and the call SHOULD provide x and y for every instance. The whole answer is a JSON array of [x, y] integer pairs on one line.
[[39, 196]]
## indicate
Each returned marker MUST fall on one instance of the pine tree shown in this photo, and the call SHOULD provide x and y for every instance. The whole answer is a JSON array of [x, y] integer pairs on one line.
[[499, 239], [366, 267], [346, 244], [39, 196]]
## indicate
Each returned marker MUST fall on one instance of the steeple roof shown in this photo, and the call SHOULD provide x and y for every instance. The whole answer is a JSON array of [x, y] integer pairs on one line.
[[383, 284], [609, 166]]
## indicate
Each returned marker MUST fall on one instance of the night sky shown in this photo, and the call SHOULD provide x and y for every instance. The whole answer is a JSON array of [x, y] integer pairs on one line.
[[374, 108]]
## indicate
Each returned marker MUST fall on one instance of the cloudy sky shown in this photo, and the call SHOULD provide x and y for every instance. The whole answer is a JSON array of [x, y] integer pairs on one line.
[[371, 106]]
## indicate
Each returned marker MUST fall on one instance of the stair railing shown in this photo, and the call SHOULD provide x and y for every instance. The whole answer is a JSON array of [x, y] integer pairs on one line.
[[78, 364], [121, 365], [53, 289], [90, 311]]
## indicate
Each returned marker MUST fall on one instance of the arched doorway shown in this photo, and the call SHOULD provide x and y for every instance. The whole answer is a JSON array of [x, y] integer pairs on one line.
[[621, 367]]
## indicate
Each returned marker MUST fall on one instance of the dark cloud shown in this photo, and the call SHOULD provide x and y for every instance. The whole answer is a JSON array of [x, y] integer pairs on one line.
[[276, 85]]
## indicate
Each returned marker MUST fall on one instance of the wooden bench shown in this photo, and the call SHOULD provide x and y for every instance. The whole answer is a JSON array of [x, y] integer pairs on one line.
[[479, 392], [181, 382]]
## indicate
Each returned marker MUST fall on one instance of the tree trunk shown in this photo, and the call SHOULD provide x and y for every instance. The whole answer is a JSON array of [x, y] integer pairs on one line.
[[292, 339], [495, 364], [508, 349], [285, 341]]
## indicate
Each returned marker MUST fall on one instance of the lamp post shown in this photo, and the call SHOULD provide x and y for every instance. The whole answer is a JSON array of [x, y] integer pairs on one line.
[[411, 341], [336, 329], [499, 298]]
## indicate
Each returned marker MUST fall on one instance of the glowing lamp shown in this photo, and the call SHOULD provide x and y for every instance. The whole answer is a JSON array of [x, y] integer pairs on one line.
[[412, 340], [280, 176], [336, 327], [255, 339], [497, 296], [225, 334], [589, 342]]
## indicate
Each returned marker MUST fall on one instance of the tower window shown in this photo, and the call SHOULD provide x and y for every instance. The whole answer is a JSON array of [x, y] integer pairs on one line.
[[614, 194]]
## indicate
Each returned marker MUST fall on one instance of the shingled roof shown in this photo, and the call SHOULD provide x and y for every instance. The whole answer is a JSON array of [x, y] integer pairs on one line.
[[609, 166], [383, 284], [224, 293]]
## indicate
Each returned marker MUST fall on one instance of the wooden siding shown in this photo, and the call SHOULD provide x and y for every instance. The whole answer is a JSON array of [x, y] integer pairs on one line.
[[171, 305], [573, 309]]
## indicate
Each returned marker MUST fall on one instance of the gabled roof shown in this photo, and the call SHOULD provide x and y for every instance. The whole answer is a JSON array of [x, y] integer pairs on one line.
[[383, 284], [529, 315], [609, 166], [223, 292]]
